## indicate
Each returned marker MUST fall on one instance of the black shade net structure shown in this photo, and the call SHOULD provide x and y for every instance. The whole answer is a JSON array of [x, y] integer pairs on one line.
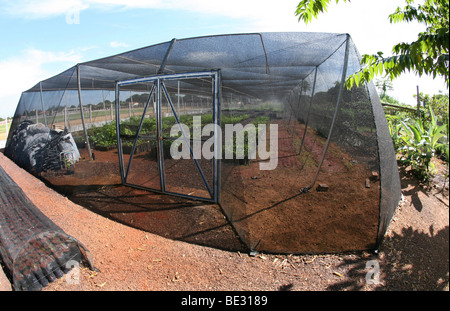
[[259, 123], [34, 250]]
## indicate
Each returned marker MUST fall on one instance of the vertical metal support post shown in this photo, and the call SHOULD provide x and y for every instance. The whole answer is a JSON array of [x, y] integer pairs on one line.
[[81, 111], [294, 110], [290, 103], [418, 103], [299, 102], [119, 140], [44, 112], [66, 114], [217, 138], [159, 135], [104, 108], [309, 111], [65, 117], [344, 73], [178, 99]]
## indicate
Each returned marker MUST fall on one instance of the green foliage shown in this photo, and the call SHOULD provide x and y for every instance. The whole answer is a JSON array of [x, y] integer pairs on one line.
[[384, 85], [234, 119], [260, 120], [307, 9], [148, 126], [207, 118], [244, 150], [132, 124], [439, 103], [395, 128], [104, 136], [429, 54], [390, 100], [417, 140]]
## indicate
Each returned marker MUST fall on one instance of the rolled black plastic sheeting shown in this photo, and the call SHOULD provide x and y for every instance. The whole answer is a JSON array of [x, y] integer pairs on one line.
[[34, 250], [37, 148]]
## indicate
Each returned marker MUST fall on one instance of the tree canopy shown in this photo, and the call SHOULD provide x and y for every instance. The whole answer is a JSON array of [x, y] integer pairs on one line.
[[429, 54]]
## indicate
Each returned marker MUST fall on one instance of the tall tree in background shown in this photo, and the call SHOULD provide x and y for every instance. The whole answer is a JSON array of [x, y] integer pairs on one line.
[[429, 54], [384, 85]]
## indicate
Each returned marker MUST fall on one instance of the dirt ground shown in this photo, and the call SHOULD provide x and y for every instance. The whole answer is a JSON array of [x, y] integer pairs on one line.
[[414, 255], [267, 208], [278, 217]]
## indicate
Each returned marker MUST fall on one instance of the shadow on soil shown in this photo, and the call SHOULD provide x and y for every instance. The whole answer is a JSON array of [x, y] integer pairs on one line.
[[412, 260], [167, 216]]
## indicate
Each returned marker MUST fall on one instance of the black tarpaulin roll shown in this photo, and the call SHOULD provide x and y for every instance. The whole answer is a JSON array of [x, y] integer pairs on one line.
[[34, 250]]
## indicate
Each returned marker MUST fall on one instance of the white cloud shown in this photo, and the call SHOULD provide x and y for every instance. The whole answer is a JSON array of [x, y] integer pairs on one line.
[[23, 71], [366, 21], [115, 44], [263, 10], [42, 9], [46, 8], [129, 4]]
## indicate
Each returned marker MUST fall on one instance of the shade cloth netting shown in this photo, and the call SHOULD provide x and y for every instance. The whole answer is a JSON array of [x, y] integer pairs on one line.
[[34, 250], [331, 134]]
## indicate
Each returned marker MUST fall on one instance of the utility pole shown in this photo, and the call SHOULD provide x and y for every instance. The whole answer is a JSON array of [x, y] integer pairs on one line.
[[418, 103]]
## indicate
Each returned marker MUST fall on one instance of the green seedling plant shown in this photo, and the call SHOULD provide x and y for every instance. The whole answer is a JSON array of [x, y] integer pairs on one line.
[[104, 136], [395, 128], [418, 144]]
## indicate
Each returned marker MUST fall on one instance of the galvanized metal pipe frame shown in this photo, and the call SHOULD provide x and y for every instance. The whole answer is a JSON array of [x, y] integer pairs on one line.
[[336, 109], [159, 85], [309, 110], [44, 112], [82, 112]]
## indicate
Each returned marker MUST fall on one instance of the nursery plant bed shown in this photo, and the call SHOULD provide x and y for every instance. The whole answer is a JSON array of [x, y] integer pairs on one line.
[[140, 147], [105, 148], [265, 216]]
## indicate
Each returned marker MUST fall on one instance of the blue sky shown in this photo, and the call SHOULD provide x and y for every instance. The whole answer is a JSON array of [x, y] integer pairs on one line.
[[39, 39]]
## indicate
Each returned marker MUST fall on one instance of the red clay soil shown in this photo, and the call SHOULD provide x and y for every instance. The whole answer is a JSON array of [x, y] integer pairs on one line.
[[279, 218], [267, 207], [131, 256]]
